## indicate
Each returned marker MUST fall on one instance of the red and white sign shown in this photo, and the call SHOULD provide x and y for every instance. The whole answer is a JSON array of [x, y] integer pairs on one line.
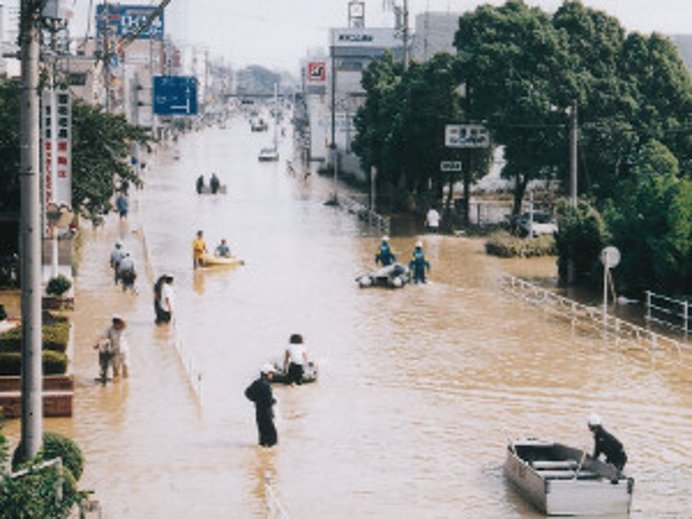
[[56, 135], [317, 71]]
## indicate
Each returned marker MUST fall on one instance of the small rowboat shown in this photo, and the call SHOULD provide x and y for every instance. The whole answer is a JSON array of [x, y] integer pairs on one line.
[[221, 261], [281, 377], [206, 190], [561, 480]]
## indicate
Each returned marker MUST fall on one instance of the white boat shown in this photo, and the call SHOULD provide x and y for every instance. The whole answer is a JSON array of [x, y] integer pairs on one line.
[[561, 480], [268, 154]]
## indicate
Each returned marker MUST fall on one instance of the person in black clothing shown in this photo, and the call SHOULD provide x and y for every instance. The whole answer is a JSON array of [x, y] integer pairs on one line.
[[260, 392], [214, 183], [200, 184], [607, 444]]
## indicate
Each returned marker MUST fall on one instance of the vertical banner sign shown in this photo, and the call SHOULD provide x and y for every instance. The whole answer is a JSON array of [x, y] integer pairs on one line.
[[57, 147]]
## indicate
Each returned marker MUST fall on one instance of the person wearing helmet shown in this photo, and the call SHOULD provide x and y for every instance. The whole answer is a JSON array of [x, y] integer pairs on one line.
[[605, 443], [419, 264], [260, 392], [116, 256], [384, 253]]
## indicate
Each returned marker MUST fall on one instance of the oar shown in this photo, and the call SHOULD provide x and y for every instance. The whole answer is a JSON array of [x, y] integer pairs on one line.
[[581, 462]]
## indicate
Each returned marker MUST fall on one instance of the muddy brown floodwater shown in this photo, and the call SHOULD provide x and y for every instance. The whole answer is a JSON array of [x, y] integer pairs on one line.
[[420, 388]]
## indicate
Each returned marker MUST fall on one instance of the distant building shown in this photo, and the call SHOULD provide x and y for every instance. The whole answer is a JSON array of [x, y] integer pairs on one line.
[[332, 88], [684, 44], [434, 32]]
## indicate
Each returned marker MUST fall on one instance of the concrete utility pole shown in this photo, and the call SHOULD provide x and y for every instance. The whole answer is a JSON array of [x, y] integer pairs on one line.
[[405, 35], [573, 142], [30, 232]]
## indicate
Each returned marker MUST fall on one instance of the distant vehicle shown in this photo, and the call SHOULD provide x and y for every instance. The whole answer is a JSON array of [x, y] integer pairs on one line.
[[268, 154], [259, 125], [535, 224]]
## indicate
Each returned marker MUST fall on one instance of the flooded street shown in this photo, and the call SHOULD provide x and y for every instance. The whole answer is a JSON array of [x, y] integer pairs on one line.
[[419, 388]]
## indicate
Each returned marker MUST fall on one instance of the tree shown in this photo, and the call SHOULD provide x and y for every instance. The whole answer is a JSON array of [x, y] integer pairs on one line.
[[512, 61], [651, 223], [101, 146], [400, 128], [9, 146], [581, 237]]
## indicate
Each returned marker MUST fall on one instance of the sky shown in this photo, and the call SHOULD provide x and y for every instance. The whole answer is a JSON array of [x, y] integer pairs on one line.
[[278, 33]]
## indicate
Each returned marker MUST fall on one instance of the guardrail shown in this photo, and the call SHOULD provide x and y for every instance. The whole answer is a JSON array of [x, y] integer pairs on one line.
[[188, 361], [668, 312], [186, 357], [622, 333], [274, 507], [364, 213]]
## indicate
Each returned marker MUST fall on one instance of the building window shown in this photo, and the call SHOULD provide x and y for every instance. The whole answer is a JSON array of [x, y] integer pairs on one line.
[[77, 79]]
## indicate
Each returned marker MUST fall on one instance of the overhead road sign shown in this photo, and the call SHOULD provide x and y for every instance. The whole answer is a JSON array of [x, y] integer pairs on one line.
[[466, 136], [175, 95], [121, 20], [447, 166]]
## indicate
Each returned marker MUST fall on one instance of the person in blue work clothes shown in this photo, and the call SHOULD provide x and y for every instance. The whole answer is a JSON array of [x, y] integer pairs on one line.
[[384, 253], [419, 264]]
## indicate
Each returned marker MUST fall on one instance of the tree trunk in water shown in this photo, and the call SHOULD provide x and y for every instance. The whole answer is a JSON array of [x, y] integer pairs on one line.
[[519, 190]]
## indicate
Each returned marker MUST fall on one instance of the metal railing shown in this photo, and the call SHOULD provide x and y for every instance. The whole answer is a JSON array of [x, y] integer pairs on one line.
[[274, 507], [668, 312], [187, 358], [623, 334], [188, 361], [364, 213]]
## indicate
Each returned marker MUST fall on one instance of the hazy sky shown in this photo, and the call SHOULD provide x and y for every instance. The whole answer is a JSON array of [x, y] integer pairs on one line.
[[277, 33]]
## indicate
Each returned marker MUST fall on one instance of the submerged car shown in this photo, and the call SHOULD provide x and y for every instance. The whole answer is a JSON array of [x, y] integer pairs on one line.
[[536, 224], [393, 276]]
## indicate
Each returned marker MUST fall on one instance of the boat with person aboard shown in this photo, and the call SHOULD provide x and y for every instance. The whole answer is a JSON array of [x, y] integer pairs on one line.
[[561, 480]]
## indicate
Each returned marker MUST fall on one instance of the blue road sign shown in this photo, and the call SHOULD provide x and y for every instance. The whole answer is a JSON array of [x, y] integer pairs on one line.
[[175, 95], [122, 20]]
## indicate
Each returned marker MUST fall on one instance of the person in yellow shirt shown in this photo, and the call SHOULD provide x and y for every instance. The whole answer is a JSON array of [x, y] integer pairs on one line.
[[199, 249]]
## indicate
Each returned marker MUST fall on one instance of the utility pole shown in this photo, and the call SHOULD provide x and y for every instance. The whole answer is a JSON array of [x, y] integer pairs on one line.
[[30, 232], [107, 55], [333, 103], [405, 35], [573, 141]]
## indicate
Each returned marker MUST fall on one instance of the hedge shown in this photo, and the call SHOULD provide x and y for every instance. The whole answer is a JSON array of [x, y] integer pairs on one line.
[[54, 363], [56, 445], [55, 337], [505, 245]]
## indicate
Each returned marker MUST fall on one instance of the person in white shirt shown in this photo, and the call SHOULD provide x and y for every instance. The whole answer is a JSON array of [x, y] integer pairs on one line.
[[113, 349], [126, 272], [432, 220], [116, 256], [166, 300], [295, 359]]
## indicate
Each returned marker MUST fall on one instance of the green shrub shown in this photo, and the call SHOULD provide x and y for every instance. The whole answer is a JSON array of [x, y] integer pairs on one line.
[[57, 286], [54, 363], [55, 337], [506, 245], [57, 446]]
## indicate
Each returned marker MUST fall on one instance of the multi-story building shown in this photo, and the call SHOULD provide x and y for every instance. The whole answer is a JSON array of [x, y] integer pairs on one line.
[[333, 91]]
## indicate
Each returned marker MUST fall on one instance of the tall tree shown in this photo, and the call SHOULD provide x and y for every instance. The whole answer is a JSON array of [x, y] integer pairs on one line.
[[101, 147], [651, 222], [512, 61], [9, 146]]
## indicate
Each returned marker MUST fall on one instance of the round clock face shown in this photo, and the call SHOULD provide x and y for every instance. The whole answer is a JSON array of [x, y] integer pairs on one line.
[[357, 9]]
